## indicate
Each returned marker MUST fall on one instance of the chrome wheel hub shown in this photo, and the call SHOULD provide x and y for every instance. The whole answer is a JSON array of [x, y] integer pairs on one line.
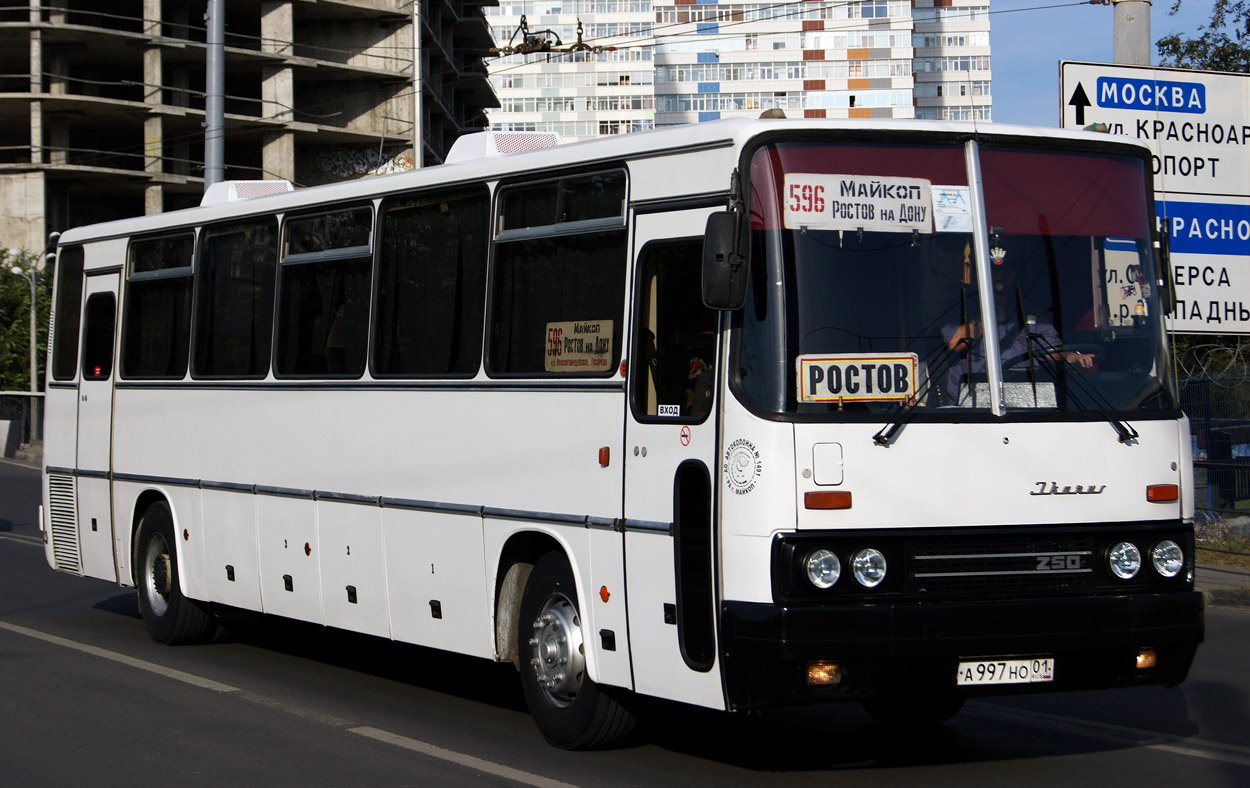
[[157, 575], [559, 659]]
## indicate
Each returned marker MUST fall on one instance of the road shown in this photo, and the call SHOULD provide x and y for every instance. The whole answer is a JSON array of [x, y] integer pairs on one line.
[[86, 698]]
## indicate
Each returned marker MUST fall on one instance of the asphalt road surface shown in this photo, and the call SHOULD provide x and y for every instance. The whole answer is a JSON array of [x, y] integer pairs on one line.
[[86, 698]]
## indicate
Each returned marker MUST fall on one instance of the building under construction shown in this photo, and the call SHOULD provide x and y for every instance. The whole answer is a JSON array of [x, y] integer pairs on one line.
[[102, 104]]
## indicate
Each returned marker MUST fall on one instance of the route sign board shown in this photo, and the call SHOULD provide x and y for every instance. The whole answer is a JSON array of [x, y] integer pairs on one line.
[[1197, 124]]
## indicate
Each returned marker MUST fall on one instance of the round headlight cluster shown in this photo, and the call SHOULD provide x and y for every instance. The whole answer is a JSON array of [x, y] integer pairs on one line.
[[823, 567], [1125, 560], [1167, 558], [869, 567]]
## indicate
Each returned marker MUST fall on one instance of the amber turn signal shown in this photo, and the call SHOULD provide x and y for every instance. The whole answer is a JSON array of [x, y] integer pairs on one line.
[[822, 499], [1162, 493]]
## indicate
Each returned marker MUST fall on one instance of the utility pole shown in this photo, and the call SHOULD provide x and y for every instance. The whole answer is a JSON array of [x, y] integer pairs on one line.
[[1132, 32], [215, 95]]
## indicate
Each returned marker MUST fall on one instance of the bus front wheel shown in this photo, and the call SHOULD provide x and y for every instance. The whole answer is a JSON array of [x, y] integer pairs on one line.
[[170, 617], [570, 709]]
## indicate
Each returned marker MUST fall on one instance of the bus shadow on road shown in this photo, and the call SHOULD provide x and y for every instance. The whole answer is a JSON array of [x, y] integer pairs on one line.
[[843, 737], [815, 738], [121, 604]]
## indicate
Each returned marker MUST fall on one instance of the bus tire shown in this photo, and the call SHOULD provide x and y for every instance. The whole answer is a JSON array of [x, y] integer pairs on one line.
[[913, 713], [572, 711], [169, 616]]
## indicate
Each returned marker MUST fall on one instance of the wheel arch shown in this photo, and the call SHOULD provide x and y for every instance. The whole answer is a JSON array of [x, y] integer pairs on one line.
[[143, 502], [516, 560]]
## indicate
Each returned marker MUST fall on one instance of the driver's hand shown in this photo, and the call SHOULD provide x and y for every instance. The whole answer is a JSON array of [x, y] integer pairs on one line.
[[1083, 360]]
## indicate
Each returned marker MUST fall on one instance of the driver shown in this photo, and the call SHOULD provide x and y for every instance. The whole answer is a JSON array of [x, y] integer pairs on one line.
[[1019, 343]]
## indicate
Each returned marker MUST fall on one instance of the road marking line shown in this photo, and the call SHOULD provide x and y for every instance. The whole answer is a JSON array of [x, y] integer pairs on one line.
[[23, 538], [295, 711], [1120, 734], [434, 751], [377, 734], [151, 667]]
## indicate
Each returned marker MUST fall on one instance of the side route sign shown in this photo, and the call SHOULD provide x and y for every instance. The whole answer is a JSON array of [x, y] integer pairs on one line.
[[1197, 124]]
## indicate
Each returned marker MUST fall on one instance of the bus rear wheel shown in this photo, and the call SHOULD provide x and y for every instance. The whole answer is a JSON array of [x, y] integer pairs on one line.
[[170, 617], [571, 710]]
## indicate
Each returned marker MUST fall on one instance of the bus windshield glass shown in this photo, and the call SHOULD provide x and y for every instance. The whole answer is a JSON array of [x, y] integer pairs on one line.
[[867, 297]]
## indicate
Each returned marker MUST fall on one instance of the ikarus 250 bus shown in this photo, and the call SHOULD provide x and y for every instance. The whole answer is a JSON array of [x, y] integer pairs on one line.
[[739, 414]]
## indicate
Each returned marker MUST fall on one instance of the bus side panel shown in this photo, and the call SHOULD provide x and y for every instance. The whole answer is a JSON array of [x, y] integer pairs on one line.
[[658, 663], [290, 583], [232, 569], [353, 576], [608, 624], [435, 581]]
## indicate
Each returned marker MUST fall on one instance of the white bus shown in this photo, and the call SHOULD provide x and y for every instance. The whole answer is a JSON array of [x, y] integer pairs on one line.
[[708, 414]]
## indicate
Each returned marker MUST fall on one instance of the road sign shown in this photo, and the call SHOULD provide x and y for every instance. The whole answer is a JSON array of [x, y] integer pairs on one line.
[[1197, 123]]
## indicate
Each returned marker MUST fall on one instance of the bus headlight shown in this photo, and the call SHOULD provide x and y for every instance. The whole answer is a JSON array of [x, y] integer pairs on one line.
[[1124, 560], [869, 567], [823, 568], [1167, 558]]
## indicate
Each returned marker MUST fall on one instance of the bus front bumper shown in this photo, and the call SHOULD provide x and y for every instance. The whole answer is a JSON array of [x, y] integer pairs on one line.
[[911, 649]]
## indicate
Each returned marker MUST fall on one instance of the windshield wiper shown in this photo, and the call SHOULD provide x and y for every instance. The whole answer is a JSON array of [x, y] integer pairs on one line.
[[1123, 429], [886, 435]]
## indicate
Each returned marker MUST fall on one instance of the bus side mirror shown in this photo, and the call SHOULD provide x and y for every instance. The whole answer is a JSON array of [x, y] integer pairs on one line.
[[724, 262], [1163, 267]]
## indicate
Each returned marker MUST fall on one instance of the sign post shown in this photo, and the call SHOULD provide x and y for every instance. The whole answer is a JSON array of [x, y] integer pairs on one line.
[[1197, 124]]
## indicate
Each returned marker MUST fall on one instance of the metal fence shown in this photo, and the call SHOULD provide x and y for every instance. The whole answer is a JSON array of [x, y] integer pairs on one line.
[[21, 420], [1218, 407]]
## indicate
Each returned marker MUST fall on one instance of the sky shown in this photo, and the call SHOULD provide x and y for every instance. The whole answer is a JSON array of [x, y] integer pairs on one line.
[[1028, 38]]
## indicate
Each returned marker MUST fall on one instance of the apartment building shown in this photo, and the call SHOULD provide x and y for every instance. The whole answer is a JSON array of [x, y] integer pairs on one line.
[[102, 104], [639, 64]]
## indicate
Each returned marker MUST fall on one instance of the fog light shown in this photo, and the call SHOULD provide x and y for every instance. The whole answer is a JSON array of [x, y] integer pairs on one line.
[[1167, 558], [1124, 560], [823, 674], [869, 566], [823, 568], [1146, 659]]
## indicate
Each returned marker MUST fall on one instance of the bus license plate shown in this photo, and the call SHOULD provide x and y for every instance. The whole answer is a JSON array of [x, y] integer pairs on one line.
[[1005, 671]]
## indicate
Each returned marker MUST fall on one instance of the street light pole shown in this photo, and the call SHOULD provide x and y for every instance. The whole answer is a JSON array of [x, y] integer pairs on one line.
[[34, 369]]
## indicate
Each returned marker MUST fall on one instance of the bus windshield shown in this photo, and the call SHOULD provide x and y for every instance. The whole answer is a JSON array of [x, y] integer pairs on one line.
[[868, 297]]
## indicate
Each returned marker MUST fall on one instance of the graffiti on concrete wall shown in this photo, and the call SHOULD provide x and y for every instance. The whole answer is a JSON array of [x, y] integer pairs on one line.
[[339, 164]]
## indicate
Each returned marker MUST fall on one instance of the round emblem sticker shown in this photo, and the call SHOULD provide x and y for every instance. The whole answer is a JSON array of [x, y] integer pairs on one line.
[[742, 466]]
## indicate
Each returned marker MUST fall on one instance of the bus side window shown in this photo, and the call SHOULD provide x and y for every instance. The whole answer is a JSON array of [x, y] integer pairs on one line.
[[675, 335], [558, 286], [234, 300], [323, 295], [68, 313], [97, 350], [156, 329]]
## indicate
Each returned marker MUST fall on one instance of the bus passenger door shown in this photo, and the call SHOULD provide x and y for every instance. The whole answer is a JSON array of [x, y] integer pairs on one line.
[[95, 430], [670, 454]]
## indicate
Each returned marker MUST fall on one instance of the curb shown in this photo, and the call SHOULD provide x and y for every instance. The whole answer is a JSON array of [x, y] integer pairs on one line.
[[1228, 597]]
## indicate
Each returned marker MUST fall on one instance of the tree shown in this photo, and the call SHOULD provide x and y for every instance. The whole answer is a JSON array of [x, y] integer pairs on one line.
[[1213, 49], [15, 323]]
